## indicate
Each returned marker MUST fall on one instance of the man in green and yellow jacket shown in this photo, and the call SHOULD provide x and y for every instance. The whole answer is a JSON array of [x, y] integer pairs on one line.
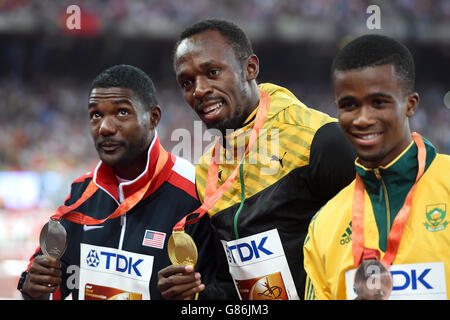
[[395, 211]]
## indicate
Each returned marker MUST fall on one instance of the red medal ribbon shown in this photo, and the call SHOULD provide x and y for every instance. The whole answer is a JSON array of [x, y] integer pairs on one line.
[[212, 194], [395, 235], [80, 218]]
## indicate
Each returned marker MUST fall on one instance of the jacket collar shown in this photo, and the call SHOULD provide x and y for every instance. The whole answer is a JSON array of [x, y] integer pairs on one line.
[[400, 172], [105, 178]]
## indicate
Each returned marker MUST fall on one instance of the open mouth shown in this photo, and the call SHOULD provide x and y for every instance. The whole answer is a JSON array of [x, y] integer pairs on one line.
[[211, 107], [367, 139], [211, 110]]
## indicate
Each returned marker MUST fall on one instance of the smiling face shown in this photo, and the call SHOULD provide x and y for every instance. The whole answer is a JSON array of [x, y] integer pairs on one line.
[[214, 82], [373, 112], [122, 129]]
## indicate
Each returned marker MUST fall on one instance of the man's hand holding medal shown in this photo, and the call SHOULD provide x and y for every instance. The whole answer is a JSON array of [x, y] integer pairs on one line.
[[44, 275]]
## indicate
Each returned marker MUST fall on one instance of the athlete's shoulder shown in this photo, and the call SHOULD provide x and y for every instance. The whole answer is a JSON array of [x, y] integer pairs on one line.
[[438, 173], [440, 166], [78, 186], [337, 207], [183, 176], [288, 109], [443, 159], [331, 219], [84, 177], [184, 168]]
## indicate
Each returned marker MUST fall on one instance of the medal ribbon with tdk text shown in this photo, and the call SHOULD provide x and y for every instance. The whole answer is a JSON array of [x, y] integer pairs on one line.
[[395, 235]]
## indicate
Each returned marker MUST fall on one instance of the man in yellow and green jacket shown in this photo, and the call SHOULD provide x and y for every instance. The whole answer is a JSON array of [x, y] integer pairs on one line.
[[373, 79]]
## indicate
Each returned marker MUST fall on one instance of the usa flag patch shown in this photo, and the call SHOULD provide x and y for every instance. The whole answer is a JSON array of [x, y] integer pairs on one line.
[[154, 239]]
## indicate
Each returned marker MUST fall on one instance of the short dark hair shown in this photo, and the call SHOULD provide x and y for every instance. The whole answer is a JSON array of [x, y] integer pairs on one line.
[[129, 77], [229, 30], [376, 50]]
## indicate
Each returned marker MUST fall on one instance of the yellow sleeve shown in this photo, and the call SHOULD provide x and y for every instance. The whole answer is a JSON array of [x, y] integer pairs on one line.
[[316, 287]]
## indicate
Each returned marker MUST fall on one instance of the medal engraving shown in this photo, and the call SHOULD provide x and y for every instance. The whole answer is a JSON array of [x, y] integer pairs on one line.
[[182, 249], [53, 239], [372, 281]]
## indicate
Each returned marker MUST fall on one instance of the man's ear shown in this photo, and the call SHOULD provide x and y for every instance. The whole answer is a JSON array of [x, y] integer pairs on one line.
[[412, 102], [251, 67], [155, 116]]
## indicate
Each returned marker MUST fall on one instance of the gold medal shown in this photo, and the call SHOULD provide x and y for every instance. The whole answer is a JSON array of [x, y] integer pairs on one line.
[[182, 249], [372, 281]]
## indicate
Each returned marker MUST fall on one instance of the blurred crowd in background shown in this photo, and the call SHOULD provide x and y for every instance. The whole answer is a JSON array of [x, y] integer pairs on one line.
[[46, 71], [162, 18]]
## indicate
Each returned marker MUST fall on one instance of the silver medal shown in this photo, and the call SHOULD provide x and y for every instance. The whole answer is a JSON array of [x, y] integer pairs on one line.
[[53, 239]]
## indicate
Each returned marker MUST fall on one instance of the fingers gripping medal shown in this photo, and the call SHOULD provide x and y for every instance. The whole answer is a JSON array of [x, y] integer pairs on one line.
[[53, 239], [182, 249]]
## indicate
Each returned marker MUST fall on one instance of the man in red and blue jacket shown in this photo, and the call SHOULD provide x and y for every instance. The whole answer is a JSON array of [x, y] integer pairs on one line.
[[119, 258]]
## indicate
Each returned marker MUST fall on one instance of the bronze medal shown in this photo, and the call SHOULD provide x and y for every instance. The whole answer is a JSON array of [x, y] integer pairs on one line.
[[182, 249], [372, 281], [53, 239]]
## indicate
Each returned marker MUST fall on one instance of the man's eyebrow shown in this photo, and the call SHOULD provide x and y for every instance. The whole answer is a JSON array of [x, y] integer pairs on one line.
[[123, 101], [208, 63], [203, 65], [379, 94], [371, 95], [345, 98]]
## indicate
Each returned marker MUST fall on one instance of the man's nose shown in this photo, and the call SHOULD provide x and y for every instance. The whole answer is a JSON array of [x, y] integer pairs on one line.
[[107, 126], [365, 117], [202, 87]]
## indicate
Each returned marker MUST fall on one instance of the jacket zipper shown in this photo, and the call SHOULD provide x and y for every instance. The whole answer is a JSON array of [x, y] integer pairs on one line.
[[123, 219], [236, 215], [386, 197]]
